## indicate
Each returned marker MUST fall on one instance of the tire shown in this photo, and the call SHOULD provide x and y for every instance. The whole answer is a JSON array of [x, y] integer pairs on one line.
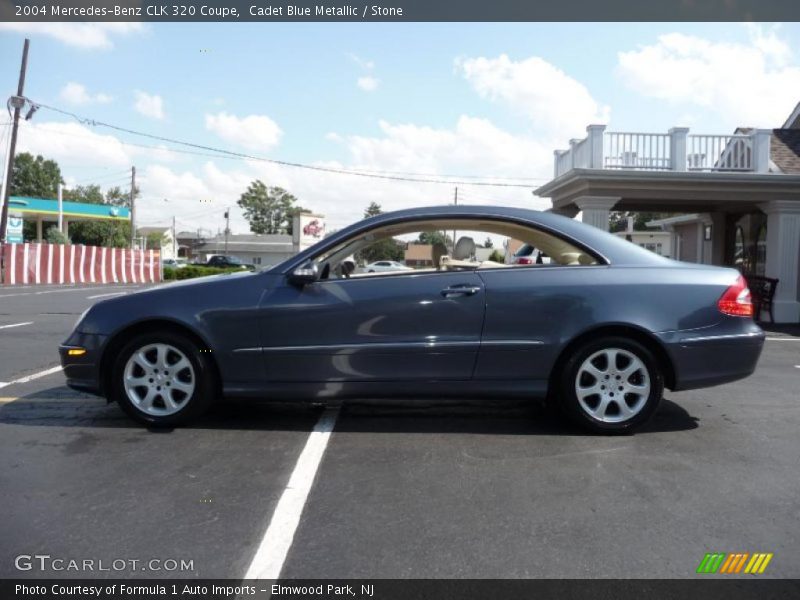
[[606, 399], [167, 396]]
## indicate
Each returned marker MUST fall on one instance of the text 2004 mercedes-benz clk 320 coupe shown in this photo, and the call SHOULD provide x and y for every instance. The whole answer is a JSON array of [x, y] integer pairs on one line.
[[600, 327]]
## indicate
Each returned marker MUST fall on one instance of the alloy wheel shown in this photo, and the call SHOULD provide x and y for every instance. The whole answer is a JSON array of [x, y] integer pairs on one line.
[[159, 379], [612, 385]]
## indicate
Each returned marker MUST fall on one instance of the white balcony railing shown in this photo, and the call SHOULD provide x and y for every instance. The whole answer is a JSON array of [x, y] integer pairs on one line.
[[674, 151], [719, 153], [636, 151]]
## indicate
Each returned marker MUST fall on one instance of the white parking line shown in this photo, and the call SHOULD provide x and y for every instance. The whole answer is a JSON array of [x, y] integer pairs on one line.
[[783, 339], [16, 325], [106, 295], [28, 378], [268, 560], [62, 290]]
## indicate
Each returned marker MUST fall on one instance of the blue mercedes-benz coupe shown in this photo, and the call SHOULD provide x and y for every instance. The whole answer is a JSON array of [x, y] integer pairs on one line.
[[599, 329]]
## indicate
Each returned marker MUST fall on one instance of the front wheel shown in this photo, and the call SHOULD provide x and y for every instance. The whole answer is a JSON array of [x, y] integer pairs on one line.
[[611, 385], [162, 379]]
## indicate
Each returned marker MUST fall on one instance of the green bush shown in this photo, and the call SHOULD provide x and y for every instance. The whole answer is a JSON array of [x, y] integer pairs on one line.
[[54, 236], [192, 271]]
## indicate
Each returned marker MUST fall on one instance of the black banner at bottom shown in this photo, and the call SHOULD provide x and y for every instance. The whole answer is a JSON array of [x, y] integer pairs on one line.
[[398, 589]]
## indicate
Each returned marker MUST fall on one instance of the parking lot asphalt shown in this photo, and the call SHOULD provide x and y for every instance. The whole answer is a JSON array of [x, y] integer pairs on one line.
[[422, 489]]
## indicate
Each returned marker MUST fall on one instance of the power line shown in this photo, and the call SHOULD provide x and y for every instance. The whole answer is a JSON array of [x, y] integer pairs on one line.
[[385, 175], [117, 181]]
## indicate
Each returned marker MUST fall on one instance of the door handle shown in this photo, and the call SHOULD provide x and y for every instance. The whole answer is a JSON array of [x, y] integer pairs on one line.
[[460, 290]]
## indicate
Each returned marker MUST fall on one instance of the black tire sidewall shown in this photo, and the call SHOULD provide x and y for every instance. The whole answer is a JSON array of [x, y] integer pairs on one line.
[[569, 400], [200, 399]]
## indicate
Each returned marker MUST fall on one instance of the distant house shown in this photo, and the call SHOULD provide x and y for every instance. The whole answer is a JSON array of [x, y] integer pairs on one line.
[[168, 248], [511, 246], [659, 242], [255, 249], [419, 255]]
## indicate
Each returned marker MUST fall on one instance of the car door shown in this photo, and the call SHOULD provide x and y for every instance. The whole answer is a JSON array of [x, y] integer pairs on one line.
[[394, 327], [532, 311]]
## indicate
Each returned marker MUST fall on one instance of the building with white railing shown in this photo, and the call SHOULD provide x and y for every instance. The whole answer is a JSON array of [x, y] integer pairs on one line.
[[735, 198]]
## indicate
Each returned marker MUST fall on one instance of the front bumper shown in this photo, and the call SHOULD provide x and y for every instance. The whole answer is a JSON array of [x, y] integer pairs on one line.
[[707, 359], [83, 372]]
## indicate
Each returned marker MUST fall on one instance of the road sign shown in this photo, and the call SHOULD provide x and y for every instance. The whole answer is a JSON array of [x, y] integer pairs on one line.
[[14, 230]]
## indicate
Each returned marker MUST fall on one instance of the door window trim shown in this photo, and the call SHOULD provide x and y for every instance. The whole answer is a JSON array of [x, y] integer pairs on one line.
[[602, 260]]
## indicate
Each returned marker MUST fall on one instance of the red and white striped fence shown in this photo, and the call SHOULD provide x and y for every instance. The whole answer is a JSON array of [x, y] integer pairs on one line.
[[30, 264]]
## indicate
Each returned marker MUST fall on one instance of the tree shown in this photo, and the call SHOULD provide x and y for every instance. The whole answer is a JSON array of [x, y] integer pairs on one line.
[[488, 243], [54, 236], [268, 209], [109, 233], [373, 210], [433, 238], [497, 256], [34, 177], [155, 240], [388, 249]]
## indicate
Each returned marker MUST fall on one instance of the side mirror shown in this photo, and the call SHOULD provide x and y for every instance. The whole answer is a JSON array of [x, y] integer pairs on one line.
[[304, 274]]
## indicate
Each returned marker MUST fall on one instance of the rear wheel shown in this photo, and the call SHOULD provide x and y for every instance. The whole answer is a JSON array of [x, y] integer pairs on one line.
[[611, 385], [162, 379]]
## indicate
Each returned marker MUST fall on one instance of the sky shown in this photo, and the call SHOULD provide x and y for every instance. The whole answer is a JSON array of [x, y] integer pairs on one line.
[[485, 101]]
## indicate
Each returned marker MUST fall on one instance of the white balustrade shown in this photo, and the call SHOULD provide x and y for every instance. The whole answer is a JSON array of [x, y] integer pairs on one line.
[[674, 151]]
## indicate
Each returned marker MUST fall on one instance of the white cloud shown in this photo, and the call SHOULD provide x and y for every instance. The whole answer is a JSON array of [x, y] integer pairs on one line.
[[368, 83], [254, 132], [67, 143], [75, 93], [367, 65], [751, 84], [151, 106], [473, 146], [80, 35], [551, 99]]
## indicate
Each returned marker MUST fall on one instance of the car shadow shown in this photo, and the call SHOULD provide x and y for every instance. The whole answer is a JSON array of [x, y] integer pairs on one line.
[[783, 329], [58, 407]]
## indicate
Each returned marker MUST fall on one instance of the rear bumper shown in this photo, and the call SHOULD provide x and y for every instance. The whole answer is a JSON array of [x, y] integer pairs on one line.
[[83, 372], [706, 360]]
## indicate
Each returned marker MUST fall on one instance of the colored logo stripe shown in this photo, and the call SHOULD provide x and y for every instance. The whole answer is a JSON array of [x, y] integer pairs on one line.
[[734, 563], [711, 563], [758, 563], [721, 562]]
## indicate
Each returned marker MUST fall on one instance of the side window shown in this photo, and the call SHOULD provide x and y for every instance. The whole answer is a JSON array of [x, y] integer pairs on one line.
[[417, 247]]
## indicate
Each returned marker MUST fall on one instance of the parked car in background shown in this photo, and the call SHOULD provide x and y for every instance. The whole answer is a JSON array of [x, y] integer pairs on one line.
[[174, 263], [225, 262], [383, 266], [528, 255], [599, 332]]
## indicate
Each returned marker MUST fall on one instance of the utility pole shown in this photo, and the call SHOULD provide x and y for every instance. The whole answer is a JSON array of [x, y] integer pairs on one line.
[[17, 102], [174, 240], [133, 207], [60, 207], [227, 228], [455, 202]]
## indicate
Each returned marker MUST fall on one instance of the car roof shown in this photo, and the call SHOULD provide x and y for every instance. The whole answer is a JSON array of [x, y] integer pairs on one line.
[[614, 249]]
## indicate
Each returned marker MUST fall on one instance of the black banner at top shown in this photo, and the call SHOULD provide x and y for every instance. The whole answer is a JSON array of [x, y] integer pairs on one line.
[[398, 10]]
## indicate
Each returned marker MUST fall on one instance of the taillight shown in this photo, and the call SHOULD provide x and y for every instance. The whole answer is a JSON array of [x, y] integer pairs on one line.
[[736, 300], [524, 260]]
